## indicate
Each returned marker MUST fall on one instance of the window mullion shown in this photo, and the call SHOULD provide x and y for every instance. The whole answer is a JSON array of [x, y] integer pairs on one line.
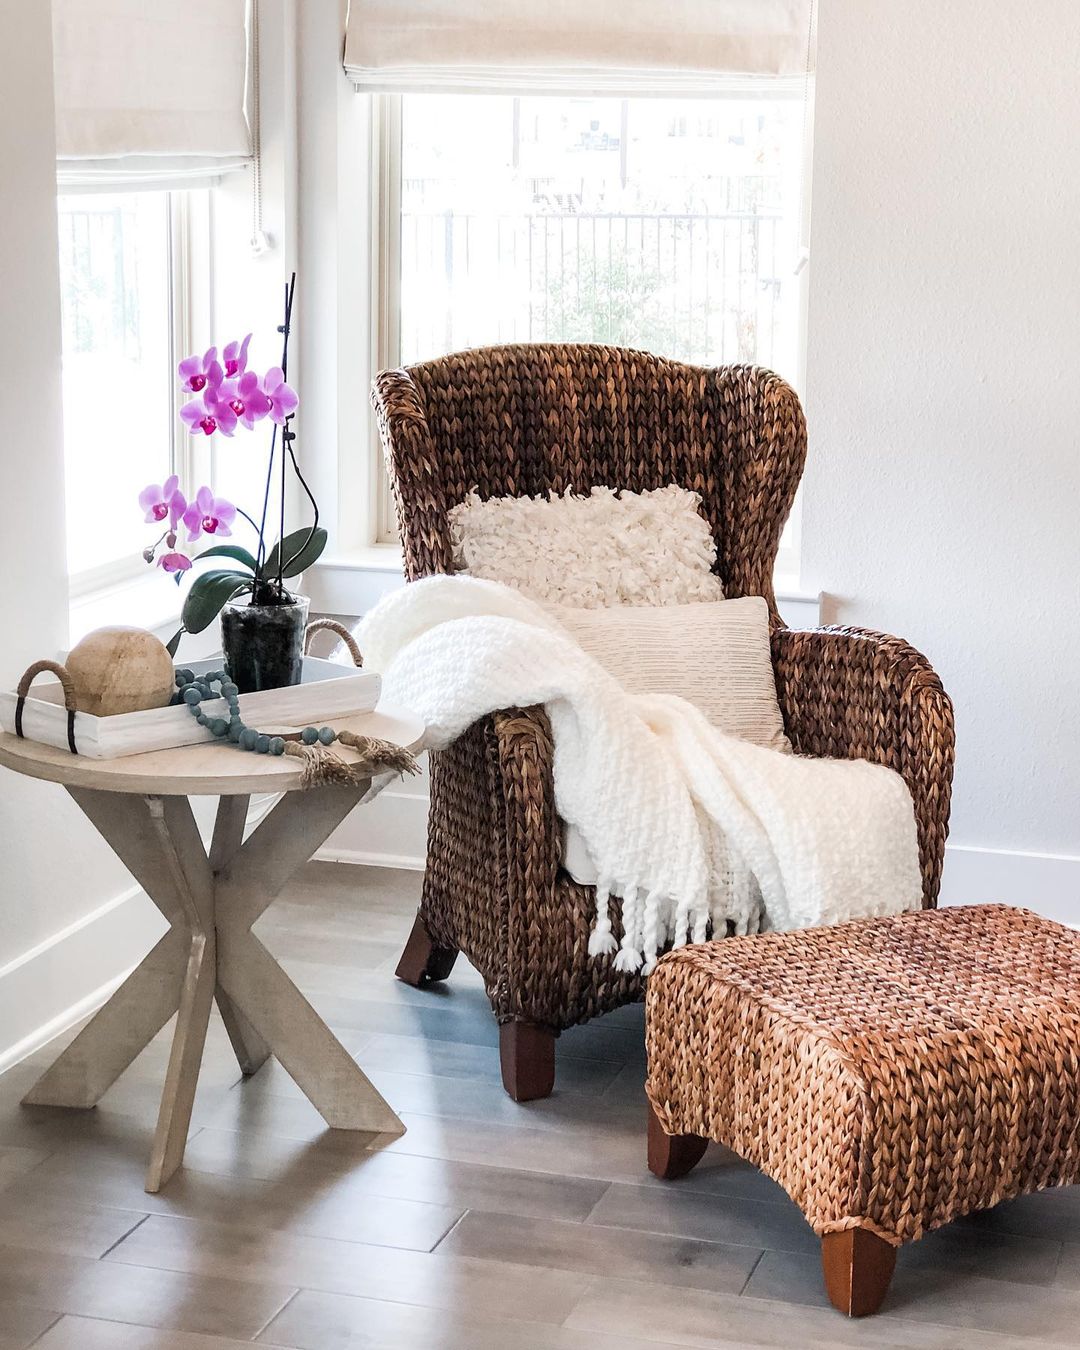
[[189, 260], [386, 281]]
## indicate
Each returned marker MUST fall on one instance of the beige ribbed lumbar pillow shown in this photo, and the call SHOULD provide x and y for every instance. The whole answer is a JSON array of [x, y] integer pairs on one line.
[[713, 654]]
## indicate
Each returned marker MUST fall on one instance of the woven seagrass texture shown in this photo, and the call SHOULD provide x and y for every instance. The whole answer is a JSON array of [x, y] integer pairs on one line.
[[848, 693], [529, 419], [891, 1074]]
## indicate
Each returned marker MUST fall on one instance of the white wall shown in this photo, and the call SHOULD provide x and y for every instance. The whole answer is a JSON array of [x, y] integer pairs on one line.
[[56, 872], [943, 382], [335, 241], [71, 918], [247, 290], [943, 392]]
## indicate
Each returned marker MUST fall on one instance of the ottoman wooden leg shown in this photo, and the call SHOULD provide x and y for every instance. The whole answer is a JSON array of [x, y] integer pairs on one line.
[[672, 1155], [858, 1267]]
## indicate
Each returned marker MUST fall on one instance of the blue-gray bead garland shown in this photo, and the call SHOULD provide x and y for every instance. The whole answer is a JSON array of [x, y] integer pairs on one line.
[[191, 690]]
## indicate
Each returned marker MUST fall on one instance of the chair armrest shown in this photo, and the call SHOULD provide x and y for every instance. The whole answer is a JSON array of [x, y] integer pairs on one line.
[[493, 856], [849, 693], [525, 757]]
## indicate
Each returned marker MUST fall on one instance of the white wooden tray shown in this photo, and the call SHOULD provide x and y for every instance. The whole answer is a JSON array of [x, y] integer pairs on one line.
[[326, 690]]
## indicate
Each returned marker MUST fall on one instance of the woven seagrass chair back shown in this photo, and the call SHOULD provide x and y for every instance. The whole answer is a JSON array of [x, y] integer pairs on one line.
[[534, 418]]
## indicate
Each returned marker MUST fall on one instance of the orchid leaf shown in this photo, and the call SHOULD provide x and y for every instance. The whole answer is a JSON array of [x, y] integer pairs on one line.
[[208, 595], [306, 550], [233, 551]]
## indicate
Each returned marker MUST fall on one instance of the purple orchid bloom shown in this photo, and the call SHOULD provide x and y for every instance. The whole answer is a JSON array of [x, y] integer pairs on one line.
[[200, 372], [166, 502], [208, 514], [283, 398], [175, 563], [208, 414], [245, 398], [235, 358]]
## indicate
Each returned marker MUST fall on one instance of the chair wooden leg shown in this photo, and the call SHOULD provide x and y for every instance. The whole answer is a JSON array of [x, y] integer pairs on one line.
[[527, 1055], [672, 1155], [421, 961], [858, 1267]]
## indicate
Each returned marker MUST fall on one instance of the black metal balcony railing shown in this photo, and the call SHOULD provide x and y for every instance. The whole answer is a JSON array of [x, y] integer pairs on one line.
[[700, 287]]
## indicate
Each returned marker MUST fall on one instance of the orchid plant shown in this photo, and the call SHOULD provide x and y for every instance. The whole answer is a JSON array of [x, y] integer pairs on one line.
[[228, 397]]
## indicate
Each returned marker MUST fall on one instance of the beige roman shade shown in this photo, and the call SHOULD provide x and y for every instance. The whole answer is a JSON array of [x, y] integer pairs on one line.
[[149, 90], [572, 46]]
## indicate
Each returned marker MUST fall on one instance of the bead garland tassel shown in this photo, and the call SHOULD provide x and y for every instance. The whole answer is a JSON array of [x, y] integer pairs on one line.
[[321, 766]]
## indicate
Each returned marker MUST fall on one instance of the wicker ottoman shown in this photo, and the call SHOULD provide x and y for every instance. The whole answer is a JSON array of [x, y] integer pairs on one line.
[[891, 1074]]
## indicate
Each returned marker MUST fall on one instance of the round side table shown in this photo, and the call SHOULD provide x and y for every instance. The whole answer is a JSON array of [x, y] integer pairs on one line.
[[211, 898]]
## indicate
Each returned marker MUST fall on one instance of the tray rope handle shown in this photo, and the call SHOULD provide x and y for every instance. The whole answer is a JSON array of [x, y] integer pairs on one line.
[[332, 626], [23, 688]]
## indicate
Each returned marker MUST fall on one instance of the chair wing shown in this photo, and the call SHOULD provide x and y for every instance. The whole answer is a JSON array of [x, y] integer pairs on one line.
[[538, 418]]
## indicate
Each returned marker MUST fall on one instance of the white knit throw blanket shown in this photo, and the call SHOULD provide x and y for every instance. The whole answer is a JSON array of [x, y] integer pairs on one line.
[[678, 816]]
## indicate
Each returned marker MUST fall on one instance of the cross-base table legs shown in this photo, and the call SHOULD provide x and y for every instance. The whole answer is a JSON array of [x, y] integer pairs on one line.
[[211, 902], [251, 1050]]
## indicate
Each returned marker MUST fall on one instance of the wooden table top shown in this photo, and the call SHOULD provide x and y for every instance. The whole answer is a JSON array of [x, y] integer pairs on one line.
[[215, 769]]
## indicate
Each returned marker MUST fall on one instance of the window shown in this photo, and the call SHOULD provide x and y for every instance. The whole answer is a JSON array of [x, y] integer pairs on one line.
[[645, 222], [666, 224], [123, 321]]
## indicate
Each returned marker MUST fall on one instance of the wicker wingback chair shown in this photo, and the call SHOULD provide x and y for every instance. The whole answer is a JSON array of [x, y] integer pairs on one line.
[[526, 419]]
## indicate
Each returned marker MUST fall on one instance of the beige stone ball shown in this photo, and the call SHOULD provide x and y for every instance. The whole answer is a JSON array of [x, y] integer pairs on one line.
[[120, 670]]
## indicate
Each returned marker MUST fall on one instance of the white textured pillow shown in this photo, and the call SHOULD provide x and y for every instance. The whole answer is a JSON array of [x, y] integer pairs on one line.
[[716, 656], [630, 548]]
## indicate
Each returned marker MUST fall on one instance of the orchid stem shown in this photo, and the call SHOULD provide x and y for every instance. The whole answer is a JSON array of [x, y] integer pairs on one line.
[[284, 331], [311, 499], [261, 554], [240, 511], [286, 434]]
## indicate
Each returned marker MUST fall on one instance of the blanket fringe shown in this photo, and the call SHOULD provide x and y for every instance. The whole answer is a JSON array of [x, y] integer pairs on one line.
[[602, 939], [629, 958], [682, 923], [650, 932], [652, 921]]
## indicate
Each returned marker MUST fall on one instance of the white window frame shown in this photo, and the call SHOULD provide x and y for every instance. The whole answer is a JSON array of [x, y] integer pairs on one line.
[[189, 249], [384, 338], [386, 286]]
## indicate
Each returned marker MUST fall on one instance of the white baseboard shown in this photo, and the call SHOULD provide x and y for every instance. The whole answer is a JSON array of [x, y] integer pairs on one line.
[[48, 989], [258, 809], [57, 983], [1048, 883], [392, 831], [404, 862], [51, 987]]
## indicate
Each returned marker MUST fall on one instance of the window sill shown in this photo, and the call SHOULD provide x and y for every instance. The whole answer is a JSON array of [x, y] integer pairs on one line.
[[151, 601], [351, 581], [373, 558], [798, 608]]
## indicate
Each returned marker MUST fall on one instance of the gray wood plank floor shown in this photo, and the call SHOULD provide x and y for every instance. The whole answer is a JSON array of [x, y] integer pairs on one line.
[[489, 1225]]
